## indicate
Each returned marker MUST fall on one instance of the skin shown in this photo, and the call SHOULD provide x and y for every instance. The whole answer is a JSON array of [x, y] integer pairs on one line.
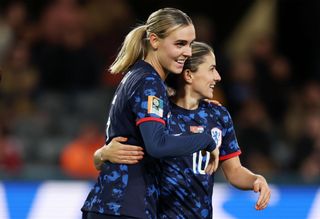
[[169, 54], [197, 86], [200, 85], [166, 55]]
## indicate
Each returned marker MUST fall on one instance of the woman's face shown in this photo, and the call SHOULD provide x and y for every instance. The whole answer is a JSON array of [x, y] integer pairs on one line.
[[173, 50], [205, 78]]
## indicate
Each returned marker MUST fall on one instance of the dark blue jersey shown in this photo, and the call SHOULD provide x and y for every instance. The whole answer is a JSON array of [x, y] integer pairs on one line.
[[185, 189], [139, 111], [130, 190]]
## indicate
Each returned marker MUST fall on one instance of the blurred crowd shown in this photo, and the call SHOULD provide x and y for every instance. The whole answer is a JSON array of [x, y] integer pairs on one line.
[[55, 93]]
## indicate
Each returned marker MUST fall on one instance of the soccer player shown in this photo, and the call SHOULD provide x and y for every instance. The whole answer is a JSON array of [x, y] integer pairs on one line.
[[185, 182], [139, 111]]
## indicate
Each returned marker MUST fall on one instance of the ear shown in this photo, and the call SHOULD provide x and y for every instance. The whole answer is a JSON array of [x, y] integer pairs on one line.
[[154, 41], [187, 76]]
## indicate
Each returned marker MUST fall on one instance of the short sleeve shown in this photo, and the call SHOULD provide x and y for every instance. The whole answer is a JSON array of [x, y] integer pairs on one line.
[[149, 101], [229, 147]]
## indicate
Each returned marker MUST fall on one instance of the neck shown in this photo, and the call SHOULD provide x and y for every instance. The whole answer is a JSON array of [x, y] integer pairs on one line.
[[185, 99], [156, 65]]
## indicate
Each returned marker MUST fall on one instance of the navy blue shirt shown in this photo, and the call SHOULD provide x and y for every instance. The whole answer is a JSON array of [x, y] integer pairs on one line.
[[140, 105], [185, 189]]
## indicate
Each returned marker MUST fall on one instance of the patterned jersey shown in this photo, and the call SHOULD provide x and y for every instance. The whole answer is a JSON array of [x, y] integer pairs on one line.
[[185, 189], [130, 190]]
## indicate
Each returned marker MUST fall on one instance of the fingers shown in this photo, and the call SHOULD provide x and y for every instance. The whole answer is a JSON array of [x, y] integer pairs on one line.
[[265, 194], [128, 151], [216, 102], [125, 161], [119, 152], [212, 166], [129, 147], [120, 139], [209, 169], [128, 159], [263, 200]]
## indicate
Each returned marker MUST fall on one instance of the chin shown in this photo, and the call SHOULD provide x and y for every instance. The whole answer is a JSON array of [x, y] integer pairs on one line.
[[176, 72]]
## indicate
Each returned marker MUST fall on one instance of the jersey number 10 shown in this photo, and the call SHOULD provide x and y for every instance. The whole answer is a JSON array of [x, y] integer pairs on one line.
[[198, 159]]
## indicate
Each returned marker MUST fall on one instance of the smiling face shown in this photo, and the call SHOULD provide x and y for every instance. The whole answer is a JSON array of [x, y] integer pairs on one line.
[[204, 79], [170, 53]]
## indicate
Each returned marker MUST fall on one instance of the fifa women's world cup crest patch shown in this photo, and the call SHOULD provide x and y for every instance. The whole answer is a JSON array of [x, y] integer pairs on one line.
[[217, 136], [155, 106]]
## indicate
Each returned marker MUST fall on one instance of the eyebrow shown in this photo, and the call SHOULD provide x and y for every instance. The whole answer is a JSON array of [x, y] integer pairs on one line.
[[184, 41]]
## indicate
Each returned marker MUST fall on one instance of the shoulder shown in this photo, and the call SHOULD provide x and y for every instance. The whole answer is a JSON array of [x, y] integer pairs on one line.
[[143, 72], [213, 105], [221, 112], [141, 77]]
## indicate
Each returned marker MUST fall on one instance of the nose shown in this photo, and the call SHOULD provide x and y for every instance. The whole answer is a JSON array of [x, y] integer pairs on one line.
[[187, 51], [217, 76]]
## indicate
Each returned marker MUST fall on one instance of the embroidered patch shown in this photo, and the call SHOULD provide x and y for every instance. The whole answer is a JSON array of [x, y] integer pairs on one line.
[[196, 129], [217, 136], [155, 106]]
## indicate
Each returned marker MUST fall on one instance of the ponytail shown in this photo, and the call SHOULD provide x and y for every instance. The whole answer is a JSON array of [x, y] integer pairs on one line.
[[133, 48]]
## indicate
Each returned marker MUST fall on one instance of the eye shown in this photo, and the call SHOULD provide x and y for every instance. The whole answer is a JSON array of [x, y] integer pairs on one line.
[[180, 44]]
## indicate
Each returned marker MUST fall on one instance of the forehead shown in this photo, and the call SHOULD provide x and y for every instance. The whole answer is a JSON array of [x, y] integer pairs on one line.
[[210, 59], [185, 33]]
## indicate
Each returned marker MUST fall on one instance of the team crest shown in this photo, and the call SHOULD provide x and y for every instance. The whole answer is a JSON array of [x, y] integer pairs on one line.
[[155, 106], [216, 136], [196, 129]]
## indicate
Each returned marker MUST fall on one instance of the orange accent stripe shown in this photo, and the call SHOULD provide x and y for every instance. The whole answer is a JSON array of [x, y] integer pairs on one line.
[[147, 119], [237, 153]]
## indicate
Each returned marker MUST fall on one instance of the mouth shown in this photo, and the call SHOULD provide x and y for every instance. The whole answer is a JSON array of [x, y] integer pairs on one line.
[[181, 61], [212, 86]]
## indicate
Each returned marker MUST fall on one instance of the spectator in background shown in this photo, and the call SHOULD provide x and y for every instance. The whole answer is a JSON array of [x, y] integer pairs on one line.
[[273, 77], [66, 60], [10, 151], [20, 81], [307, 154], [76, 156], [255, 133], [108, 27], [302, 131], [241, 83], [12, 25]]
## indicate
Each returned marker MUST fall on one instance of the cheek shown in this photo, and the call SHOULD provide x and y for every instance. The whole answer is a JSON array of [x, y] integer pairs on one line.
[[170, 51], [164, 54]]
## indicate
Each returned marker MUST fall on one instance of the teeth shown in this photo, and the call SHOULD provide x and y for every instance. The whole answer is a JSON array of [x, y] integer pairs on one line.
[[211, 85]]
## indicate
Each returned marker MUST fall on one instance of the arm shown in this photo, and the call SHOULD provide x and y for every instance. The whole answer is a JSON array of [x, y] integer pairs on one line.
[[213, 162], [158, 144], [115, 152], [242, 178]]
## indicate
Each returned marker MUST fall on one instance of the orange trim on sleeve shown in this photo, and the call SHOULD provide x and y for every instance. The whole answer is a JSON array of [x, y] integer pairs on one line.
[[228, 156], [147, 119]]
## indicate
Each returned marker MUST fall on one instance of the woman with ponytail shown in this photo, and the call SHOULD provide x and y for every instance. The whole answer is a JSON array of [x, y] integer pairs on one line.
[[140, 112]]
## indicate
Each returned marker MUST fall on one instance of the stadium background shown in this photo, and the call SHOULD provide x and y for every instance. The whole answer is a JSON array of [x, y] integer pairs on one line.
[[55, 93]]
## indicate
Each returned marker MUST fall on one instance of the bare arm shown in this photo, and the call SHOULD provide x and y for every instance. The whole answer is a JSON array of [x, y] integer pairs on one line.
[[116, 152], [242, 178]]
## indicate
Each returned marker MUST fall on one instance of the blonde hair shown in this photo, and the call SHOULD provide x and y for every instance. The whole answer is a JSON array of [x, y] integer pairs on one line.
[[199, 51], [135, 46]]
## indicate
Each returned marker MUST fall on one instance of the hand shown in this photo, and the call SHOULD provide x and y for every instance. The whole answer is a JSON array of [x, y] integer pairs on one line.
[[260, 185], [216, 102], [116, 152], [213, 162]]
